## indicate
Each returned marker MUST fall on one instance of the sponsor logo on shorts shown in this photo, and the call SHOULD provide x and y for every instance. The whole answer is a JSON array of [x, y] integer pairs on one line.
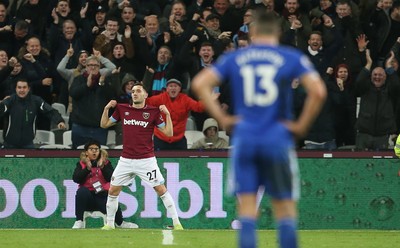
[[134, 122]]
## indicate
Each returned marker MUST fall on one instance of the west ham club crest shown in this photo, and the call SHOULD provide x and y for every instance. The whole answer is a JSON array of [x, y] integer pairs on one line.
[[146, 115]]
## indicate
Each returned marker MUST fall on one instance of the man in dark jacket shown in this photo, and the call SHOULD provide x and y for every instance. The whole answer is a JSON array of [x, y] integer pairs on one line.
[[376, 120], [23, 109], [89, 94]]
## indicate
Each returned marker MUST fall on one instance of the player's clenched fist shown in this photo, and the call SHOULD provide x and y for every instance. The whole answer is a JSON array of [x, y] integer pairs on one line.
[[164, 109], [111, 104]]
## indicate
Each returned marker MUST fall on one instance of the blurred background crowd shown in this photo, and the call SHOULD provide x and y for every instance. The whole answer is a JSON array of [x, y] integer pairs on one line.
[[80, 54]]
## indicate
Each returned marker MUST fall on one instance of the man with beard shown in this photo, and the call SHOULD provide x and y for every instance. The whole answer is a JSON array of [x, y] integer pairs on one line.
[[139, 120], [297, 23], [322, 132]]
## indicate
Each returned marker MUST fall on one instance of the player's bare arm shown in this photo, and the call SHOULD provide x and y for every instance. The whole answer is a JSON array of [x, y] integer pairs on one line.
[[105, 121], [168, 128], [316, 95], [203, 85]]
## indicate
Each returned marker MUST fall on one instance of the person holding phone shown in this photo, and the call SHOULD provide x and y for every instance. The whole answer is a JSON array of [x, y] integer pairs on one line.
[[211, 140]]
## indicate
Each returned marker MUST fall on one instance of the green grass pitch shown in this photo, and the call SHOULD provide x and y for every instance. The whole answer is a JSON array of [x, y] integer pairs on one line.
[[87, 238]]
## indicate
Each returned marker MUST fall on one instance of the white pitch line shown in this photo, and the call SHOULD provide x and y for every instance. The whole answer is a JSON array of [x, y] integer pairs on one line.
[[168, 238]]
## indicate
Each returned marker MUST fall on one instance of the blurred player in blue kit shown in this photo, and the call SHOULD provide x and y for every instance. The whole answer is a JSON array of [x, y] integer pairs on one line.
[[263, 154]]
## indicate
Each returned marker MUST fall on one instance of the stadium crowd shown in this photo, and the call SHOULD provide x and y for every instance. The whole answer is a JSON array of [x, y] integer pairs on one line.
[[84, 53]]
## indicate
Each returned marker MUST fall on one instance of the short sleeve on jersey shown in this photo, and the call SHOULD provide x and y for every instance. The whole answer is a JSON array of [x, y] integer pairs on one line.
[[222, 67], [113, 119]]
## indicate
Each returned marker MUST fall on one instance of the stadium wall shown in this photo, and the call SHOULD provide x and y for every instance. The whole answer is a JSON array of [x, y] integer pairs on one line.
[[342, 190]]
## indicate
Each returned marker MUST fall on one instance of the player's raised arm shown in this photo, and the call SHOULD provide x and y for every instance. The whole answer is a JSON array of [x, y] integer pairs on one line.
[[105, 121], [168, 129], [316, 95]]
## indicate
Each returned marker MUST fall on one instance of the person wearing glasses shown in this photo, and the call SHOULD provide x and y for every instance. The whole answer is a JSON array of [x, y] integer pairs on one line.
[[93, 174], [69, 74], [89, 93]]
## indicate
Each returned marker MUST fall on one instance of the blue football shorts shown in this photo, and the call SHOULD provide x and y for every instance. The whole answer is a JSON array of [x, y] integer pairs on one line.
[[273, 166]]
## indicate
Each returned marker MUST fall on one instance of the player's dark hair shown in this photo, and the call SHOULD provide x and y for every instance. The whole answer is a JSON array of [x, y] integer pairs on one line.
[[139, 83]]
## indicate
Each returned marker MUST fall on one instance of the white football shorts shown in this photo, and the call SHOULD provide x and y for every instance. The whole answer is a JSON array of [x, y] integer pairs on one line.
[[147, 169]]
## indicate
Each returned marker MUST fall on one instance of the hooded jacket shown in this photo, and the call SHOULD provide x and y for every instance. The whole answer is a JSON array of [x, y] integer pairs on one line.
[[217, 142]]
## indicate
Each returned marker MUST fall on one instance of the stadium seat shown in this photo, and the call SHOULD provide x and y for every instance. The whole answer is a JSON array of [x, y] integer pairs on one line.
[[348, 147], [63, 112], [60, 108], [1, 137], [81, 147], [94, 214], [119, 147], [67, 141], [111, 138], [191, 124], [55, 146], [44, 137], [192, 136]]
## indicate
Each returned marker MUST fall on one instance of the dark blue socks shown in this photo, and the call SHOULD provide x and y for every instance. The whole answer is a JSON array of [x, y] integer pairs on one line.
[[287, 233], [247, 234]]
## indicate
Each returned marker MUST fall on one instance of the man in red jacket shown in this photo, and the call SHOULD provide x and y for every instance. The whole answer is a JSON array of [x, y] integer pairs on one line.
[[179, 105]]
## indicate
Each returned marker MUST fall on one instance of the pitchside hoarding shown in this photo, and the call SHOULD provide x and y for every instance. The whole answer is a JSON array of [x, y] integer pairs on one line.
[[337, 193]]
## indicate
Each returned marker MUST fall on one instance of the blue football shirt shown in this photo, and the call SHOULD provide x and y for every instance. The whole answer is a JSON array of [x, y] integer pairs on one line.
[[260, 78]]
